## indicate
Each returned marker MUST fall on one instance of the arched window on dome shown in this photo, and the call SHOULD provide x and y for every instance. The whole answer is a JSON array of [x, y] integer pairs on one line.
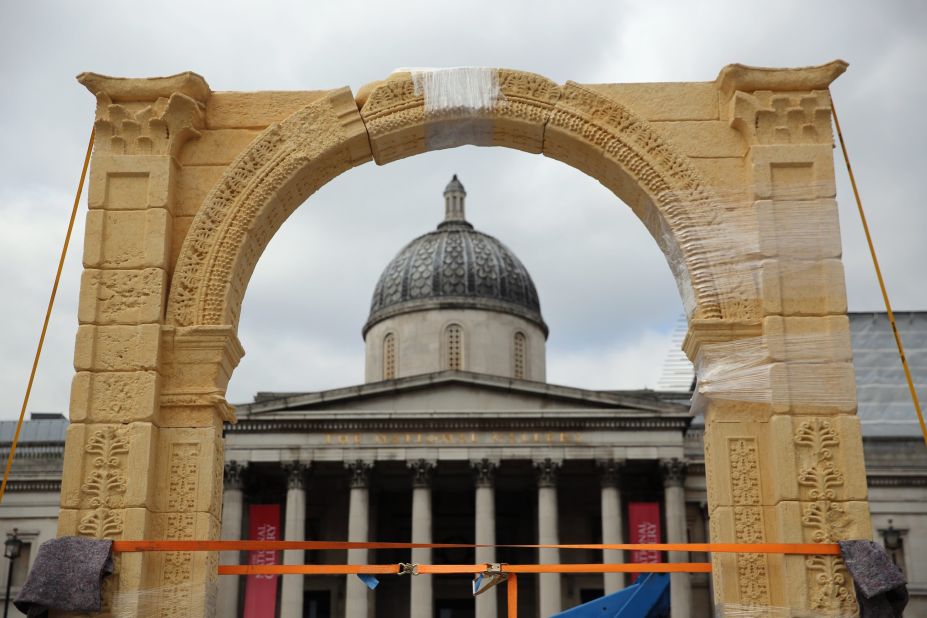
[[520, 353], [453, 347], [389, 356]]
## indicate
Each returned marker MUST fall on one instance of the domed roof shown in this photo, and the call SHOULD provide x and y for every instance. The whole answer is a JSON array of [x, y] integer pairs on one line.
[[455, 266]]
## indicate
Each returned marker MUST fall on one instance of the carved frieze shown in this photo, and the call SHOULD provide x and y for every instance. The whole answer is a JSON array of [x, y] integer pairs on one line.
[[746, 492]]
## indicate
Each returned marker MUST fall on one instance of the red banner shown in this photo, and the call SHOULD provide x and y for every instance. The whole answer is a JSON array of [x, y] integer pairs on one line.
[[261, 590], [644, 526]]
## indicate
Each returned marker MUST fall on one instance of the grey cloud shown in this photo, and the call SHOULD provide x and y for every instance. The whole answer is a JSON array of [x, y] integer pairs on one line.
[[603, 283]]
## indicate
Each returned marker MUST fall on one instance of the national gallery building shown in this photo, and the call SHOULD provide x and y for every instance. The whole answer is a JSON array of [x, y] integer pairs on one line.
[[456, 437]]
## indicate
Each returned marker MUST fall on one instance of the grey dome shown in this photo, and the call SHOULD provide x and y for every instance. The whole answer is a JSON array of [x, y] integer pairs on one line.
[[455, 267]]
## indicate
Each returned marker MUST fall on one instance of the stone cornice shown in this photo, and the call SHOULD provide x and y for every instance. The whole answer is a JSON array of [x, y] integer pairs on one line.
[[745, 78], [429, 423], [897, 480], [633, 400], [34, 485], [126, 89]]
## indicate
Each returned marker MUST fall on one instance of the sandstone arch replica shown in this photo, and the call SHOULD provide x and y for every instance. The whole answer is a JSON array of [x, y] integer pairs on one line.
[[734, 178]]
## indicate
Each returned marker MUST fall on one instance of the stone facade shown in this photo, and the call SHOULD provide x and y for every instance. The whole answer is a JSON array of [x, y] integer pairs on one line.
[[733, 178]]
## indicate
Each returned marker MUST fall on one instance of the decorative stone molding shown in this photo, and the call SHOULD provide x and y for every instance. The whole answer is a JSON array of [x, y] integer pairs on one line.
[[359, 473], [162, 127], [422, 470], [295, 472], [610, 472], [766, 117], [547, 471], [674, 471], [485, 472], [734, 77]]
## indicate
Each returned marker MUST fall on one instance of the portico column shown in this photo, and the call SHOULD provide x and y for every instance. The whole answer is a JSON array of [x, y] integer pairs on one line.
[[612, 524], [232, 507], [294, 529], [485, 534], [549, 583], [357, 597], [422, 603], [674, 497]]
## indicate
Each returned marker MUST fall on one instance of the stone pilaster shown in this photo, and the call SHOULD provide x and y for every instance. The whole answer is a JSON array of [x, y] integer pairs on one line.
[[550, 599], [421, 598], [294, 529], [485, 533], [612, 520], [169, 474], [357, 599], [232, 517], [674, 500]]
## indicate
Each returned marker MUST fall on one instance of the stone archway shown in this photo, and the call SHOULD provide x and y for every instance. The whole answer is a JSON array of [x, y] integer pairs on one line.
[[733, 178]]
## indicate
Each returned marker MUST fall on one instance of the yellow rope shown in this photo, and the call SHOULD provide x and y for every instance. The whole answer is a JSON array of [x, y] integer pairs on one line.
[[875, 261], [51, 303]]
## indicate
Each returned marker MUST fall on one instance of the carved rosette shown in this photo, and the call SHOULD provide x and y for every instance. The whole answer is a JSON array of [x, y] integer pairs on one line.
[[422, 469], [673, 471], [824, 518], [547, 471], [359, 474], [296, 472], [484, 472], [610, 472]]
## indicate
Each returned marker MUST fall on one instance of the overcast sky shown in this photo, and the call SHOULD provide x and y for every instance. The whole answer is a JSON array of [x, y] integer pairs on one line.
[[606, 291]]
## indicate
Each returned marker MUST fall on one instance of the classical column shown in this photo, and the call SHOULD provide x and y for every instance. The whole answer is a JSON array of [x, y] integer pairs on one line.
[[294, 529], [612, 524], [549, 583], [357, 599], [674, 497], [421, 599], [485, 470], [232, 507]]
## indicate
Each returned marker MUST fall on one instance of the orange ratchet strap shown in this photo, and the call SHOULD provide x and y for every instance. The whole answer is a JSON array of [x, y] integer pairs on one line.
[[809, 549], [452, 569]]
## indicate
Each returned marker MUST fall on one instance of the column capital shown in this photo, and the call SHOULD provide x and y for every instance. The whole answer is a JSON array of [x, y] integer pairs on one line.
[[232, 475], [674, 471], [295, 474], [485, 472], [610, 471], [359, 473], [547, 471], [422, 470]]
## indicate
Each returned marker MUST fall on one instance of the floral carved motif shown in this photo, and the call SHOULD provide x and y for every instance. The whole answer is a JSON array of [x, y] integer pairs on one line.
[[104, 485], [825, 519], [752, 569]]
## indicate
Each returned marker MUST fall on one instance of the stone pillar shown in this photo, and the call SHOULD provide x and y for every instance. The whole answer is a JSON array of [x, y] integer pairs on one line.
[[357, 600], [674, 497], [548, 583], [161, 454], [612, 522], [294, 529], [232, 515], [485, 534], [421, 598]]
